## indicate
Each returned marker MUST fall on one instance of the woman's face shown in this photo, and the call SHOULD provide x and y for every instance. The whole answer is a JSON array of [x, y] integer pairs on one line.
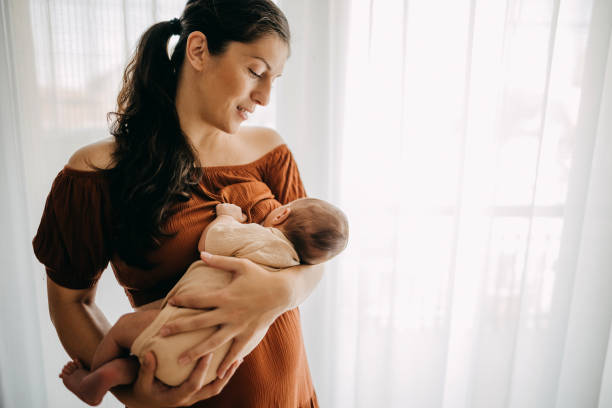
[[232, 84]]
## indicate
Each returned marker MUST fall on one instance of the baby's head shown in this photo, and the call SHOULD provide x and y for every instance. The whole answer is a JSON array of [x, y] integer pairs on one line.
[[317, 229]]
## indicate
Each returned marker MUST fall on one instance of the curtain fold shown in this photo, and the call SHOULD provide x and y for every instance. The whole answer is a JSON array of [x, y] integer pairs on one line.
[[20, 342], [581, 379]]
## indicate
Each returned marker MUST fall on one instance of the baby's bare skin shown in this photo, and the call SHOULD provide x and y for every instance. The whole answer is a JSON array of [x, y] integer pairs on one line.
[[111, 365]]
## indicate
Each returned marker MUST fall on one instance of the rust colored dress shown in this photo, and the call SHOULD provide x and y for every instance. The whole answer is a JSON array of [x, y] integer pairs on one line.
[[73, 243]]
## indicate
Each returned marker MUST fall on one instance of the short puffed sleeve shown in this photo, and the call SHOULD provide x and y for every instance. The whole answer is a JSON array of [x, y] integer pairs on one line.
[[74, 232], [283, 177]]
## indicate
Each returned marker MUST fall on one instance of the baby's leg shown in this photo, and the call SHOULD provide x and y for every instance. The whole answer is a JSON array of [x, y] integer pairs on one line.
[[108, 368], [120, 337], [92, 386]]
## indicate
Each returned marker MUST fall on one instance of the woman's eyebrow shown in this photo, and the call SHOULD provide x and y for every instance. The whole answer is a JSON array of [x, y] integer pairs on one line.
[[264, 61]]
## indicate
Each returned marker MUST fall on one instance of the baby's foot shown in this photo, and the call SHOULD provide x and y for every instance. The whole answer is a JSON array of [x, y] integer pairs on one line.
[[70, 368], [72, 374]]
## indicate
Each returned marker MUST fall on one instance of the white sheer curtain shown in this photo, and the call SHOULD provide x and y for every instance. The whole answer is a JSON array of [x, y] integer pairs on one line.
[[469, 143]]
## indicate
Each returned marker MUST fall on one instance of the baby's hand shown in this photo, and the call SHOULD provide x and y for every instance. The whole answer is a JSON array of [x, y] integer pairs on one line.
[[231, 210]]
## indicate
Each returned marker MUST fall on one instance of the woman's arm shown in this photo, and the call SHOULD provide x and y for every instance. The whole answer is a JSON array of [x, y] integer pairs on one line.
[[245, 308], [300, 281], [80, 325]]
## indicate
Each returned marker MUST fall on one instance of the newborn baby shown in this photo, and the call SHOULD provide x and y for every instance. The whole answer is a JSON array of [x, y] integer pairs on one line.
[[306, 230]]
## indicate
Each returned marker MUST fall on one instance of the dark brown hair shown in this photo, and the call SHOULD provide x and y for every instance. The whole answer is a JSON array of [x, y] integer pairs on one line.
[[317, 229], [155, 167]]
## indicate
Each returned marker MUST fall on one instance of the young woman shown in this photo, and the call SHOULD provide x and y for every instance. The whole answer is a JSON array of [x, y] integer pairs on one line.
[[141, 200]]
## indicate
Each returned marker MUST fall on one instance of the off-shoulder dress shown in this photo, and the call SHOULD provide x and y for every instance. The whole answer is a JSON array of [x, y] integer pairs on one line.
[[74, 243]]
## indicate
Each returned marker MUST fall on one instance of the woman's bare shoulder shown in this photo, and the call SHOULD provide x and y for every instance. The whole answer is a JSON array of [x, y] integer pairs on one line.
[[97, 155], [260, 139]]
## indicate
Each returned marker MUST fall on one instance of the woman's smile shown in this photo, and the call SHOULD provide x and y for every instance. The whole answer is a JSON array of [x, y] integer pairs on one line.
[[242, 112]]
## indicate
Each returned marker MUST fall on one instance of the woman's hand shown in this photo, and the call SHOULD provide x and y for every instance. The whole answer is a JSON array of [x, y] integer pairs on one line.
[[150, 392], [244, 310]]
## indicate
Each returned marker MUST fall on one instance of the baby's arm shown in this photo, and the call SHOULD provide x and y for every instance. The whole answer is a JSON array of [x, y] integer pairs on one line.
[[226, 214]]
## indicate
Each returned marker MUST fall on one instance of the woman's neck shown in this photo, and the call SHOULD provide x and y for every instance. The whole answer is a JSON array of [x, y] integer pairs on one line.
[[202, 136]]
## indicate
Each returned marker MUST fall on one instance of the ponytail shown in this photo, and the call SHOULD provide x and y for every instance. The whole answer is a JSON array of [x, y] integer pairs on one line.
[[155, 165]]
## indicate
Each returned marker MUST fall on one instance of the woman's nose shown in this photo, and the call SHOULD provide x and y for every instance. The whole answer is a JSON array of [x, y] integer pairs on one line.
[[261, 95]]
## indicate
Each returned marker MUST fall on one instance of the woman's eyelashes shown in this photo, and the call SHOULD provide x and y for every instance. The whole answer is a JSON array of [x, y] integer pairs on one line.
[[255, 74]]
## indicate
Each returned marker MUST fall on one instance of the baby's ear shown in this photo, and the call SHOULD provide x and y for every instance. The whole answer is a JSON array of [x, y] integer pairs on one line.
[[281, 217]]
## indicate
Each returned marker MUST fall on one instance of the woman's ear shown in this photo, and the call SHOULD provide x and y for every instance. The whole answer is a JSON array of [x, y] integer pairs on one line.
[[281, 216], [196, 50]]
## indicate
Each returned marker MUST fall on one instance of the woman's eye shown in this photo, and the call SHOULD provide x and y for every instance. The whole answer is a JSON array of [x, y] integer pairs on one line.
[[254, 73]]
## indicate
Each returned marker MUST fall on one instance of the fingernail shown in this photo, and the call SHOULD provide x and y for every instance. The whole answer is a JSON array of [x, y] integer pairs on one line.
[[164, 332], [205, 255], [183, 360], [171, 301]]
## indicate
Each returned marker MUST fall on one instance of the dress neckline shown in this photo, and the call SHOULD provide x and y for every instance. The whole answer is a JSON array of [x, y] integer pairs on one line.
[[94, 173], [249, 164]]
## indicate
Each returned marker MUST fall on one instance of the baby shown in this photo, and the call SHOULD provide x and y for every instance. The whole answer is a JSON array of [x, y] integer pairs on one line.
[[307, 230]]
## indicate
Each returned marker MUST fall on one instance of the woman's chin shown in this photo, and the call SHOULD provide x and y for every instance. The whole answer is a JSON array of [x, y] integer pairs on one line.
[[232, 128]]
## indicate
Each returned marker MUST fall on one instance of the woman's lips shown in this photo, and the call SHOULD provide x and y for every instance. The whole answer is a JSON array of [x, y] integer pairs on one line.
[[242, 113]]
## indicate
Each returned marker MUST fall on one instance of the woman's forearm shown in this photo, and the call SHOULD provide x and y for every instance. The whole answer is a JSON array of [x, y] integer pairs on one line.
[[299, 282], [80, 328]]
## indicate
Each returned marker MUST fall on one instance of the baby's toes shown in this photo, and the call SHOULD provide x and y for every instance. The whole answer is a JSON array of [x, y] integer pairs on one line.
[[77, 362], [69, 368]]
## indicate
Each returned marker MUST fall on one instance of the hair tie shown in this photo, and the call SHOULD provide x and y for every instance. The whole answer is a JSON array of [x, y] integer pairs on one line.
[[175, 25]]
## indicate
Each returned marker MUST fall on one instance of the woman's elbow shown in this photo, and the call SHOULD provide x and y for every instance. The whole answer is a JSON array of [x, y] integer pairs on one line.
[[61, 299]]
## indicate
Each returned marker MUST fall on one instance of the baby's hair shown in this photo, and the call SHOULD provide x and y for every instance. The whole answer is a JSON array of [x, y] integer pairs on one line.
[[317, 229]]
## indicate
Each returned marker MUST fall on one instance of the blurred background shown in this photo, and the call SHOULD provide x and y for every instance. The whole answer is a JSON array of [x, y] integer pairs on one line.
[[468, 141]]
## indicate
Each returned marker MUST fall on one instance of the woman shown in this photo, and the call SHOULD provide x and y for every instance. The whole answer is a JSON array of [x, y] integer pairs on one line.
[[142, 199]]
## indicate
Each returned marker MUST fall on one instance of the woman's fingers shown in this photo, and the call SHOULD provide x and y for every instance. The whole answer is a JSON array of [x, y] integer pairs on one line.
[[186, 324], [219, 338], [147, 369], [231, 357], [145, 383], [196, 380], [216, 386], [185, 394], [196, 300]]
